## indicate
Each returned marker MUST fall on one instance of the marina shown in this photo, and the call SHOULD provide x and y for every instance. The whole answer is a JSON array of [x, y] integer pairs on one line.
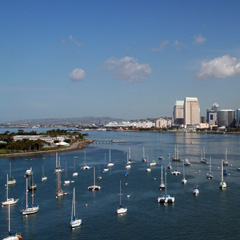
[[142, 207]]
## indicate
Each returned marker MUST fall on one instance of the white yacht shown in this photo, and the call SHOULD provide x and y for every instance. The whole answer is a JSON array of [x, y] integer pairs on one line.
[[11, 180], [153, 163], [58, 165], [128, 166], [176, 172], [195, 189], [94, 187], [166, 198], [75, 174], [67, 180], [223, 184], [175, 157], [75, 222], [143, 157], [110, 163], [121, 209], [11, 236], [44, 178], [203, 158], [209, 174], [85, 167], [60, 192], [162, 184], [30, 209], [184, 180], [187, 162], [9, 201], [148, 168]]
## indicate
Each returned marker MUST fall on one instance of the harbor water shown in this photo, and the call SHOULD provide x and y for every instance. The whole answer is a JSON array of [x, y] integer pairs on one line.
[[213, 214]]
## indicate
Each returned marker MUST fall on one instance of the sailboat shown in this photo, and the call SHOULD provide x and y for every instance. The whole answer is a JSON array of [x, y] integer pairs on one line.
[[85, 167], [195, 189], [30, 209], [166, 198], [110, 163], [162, 185], [105, 169], [44, 178], [225, 161], [209, 174], [11, 236], [75, 174], [121, 208], [130, 161], [175, 156], [128, 165], [223, 184], [66, 181], [203, 158], [94, 187], [60, 192], [169, 166], [148, 168], [143, 157], [184, 180], [99, 177], [11, 180], [9, 201], [58, 165], [75, 222], [29, 176]]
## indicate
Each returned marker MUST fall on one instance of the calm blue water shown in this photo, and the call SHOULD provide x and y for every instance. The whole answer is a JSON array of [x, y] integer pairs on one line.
[[213, 214]]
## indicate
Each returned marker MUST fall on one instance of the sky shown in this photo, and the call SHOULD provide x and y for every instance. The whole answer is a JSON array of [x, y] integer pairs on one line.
[[121, 59]]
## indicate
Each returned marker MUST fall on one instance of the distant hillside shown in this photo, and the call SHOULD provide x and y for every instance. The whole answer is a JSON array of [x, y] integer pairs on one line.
[[63, 121]]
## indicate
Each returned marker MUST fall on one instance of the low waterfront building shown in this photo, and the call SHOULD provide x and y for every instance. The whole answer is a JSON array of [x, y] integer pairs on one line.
[[161, 123]]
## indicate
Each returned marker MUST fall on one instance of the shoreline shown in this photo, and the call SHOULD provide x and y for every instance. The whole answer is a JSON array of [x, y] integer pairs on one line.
[[74, 147]]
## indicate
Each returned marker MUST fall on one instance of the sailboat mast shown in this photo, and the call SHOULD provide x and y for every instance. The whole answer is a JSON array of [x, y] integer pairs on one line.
[[26, 192], [74, 213], [161, 174], [10, 170], [94, 175], [109, 155], [56, 160], [7, 187], [143, 153], [120, 194], [9, 230], [222, 172]]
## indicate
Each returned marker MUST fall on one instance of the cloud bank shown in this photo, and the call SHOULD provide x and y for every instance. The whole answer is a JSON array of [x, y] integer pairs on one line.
[[221, 67], [77, 74], [128, 68]]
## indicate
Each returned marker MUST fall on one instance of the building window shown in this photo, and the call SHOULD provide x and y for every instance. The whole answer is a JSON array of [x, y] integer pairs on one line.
[[211, 117]]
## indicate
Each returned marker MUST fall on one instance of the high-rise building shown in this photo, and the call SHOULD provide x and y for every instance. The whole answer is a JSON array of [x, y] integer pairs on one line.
[[178, 113], [191, 111], [212, 114], [226, 118], [238, 118]]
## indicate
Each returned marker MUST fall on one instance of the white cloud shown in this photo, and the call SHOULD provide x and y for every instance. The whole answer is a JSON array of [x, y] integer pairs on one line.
[[73, 40], [77, 74], [221, 67], [128, 68], [199, 39], [162, 45]]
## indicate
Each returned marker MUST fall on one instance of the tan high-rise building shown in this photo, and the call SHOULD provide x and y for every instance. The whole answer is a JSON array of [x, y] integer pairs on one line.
[[191, 111], [178, 112]]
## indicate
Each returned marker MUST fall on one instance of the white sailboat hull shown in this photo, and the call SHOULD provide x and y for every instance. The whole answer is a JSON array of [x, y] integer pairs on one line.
[[10, 201], [30, 210], [15, 237], [121, 210], [166, 199], [76, 223], [75, 174]]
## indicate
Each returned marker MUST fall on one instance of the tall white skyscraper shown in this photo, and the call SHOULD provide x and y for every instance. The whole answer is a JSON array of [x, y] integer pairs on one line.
[[191, 111]]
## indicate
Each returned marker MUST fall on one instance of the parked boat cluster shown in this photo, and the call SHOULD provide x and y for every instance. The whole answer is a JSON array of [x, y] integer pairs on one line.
[[168, 165]]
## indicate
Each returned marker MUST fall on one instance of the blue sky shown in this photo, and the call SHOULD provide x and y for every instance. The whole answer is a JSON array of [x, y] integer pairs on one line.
[[125, 59]]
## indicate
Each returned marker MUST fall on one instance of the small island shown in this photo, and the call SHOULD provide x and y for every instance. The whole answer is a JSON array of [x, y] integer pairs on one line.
[[32, 143]]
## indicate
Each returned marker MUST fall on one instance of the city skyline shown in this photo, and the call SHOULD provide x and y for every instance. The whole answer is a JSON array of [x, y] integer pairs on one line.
[[120, 59]]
